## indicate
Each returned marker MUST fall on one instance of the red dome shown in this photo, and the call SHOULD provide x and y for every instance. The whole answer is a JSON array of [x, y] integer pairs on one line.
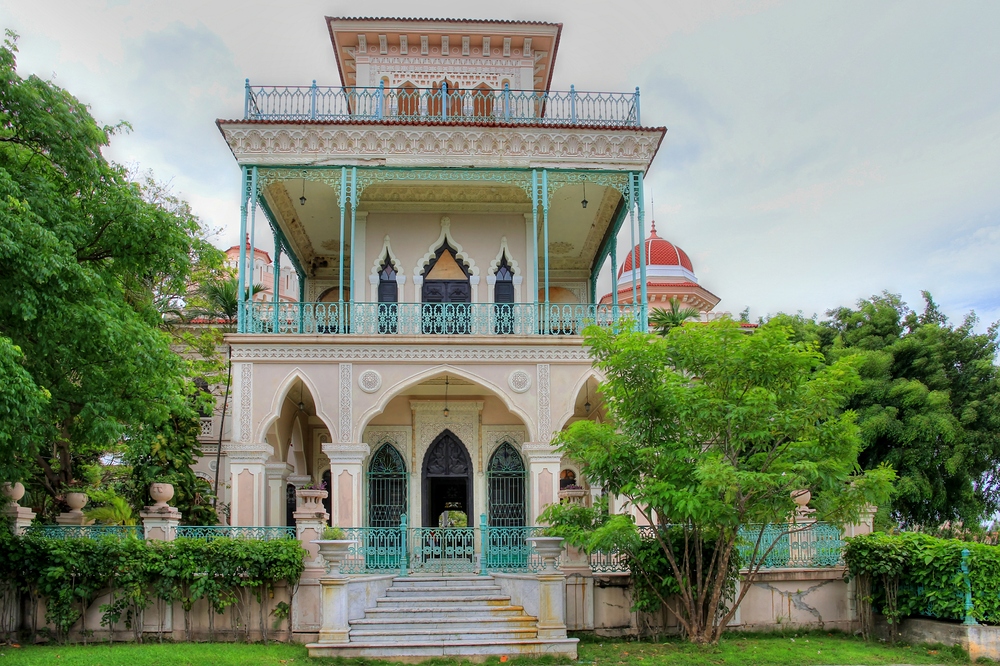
[[659, 252]]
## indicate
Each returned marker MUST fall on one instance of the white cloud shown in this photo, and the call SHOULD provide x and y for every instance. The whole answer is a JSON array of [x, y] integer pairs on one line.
[[817, 152]]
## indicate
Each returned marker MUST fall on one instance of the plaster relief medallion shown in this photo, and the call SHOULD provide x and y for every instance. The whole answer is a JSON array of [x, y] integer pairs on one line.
[[369, 381], [519, 381]]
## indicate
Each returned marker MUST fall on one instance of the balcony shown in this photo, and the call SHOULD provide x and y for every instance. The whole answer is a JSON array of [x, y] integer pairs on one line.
[[512, 107], [434, 318]]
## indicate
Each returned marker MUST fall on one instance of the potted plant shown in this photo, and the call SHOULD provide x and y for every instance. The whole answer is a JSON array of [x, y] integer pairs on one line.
[[334, 546]]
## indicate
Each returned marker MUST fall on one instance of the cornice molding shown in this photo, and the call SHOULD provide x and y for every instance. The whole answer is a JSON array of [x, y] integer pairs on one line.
[[446, 146], [442, 354]]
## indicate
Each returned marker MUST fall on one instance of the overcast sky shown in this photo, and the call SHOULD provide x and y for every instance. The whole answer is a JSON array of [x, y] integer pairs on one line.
[[817, 152]]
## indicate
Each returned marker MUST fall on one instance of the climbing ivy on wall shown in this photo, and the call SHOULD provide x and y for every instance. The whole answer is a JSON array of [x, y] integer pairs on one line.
[[69, 574]]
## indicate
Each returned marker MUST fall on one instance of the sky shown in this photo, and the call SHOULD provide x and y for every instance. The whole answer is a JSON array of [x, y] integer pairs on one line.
[[817, 152]]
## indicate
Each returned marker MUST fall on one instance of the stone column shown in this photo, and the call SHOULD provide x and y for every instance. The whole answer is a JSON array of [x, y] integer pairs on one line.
[[543, 476], [346, 477], [334, 626], [159, 522], [247, 478], [277, 477]]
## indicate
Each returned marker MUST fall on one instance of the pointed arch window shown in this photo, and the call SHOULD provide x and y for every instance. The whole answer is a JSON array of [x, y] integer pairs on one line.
[[445, 293], [506, 478], [387, 487], [503, 296], [388, 295]]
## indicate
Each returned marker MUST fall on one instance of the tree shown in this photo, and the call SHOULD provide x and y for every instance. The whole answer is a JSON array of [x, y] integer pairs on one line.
[[929, 405], [665, 319], [710, 431], [218, 300], [87, 257]]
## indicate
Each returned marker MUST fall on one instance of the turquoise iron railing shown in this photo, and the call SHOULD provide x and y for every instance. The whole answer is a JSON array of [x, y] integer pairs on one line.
[[376, 550], [434, 318], [516, 107], [86, 531], [507, 549], [210, 532], [821, 545], [442, 549]]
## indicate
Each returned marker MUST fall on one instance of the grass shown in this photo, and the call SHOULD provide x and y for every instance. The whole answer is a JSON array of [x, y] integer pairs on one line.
[[735, 649]]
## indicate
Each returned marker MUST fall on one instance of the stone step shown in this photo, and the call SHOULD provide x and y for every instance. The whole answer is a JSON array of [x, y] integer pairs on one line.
[[476, 611], [450, 600], [448, 590], [442, 581], [418, 622], [417, 634], [418, 650]]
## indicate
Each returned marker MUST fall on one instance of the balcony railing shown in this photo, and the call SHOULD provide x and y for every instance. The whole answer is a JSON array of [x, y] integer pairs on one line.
[[518, 107], [434, 318]]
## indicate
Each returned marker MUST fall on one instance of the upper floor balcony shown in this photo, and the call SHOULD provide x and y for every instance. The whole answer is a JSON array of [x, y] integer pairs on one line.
[[442, 104]]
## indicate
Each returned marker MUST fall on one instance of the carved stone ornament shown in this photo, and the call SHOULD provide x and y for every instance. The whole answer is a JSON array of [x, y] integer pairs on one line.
[[402, 145], [369, 381], [519, 381], [436, 354]]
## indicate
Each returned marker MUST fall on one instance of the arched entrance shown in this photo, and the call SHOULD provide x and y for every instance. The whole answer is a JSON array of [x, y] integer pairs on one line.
[[446, 480]]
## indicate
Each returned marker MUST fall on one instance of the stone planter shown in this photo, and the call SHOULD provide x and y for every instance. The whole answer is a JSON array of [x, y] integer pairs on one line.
[[311, 499], [15, 491], [334, 551], [161, 494], [574, 495], [76, 501], [549, 548]]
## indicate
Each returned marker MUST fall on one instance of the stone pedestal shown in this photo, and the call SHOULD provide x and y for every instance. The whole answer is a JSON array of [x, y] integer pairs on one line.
[[159, 522], [335, 627], [551, 605], [20, 518], [310, 520], [346, 481]]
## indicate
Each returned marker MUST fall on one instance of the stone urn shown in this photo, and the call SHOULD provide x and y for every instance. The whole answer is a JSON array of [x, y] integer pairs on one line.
[[334, 552], [801, 499], [161, 494], [76, 501], [310, 498], [15, 491], [550, 548], [572, 495]]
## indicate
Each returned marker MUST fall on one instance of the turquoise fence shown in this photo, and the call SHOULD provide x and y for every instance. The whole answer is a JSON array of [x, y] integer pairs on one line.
[[434, 318], [376, 550], [86, 531], [408, 104], [210, 532]]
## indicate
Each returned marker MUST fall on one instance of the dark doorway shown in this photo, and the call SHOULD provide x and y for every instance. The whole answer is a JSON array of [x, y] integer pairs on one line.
[[291, 504], [447, 480], [445, 294]]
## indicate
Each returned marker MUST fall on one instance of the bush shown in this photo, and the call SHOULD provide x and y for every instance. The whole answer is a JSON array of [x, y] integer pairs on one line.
[[912, 574]]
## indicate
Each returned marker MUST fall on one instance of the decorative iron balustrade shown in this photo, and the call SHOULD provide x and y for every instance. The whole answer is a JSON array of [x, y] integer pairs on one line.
[[86, 531], [443, 549], [435, 318], [817, 546], [515, 107], [258, 533], [508, 550], [376, 550]]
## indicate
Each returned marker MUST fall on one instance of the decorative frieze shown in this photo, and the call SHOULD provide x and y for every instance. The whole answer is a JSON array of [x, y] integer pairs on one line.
[[404, 145], [442, 354], [544, 408], [346, 407]]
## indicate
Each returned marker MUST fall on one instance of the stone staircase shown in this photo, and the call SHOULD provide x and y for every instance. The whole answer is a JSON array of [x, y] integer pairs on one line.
[[421, 617]]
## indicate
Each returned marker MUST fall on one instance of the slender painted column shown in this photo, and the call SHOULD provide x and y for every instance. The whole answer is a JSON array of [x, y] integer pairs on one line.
[[276, 266], [545, 241], [642, 257], [340, 285], [631, 228], [534, 233], [354, 225], [240, 314], [614, 273]]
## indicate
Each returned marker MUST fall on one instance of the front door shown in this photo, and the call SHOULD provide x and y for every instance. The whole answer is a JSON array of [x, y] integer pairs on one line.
[[445, 294], [446, 542]]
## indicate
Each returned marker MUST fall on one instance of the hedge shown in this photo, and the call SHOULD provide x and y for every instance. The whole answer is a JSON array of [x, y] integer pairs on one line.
[[69, 574], [916, 575]]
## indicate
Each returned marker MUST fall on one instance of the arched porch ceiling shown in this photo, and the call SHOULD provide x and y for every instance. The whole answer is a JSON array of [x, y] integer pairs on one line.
[[313, 228]]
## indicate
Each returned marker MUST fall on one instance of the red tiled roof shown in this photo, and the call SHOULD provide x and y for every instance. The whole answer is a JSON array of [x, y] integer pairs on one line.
[[659, 252], [463, 122]]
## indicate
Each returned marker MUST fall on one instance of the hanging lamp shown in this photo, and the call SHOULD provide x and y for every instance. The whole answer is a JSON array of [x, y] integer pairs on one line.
[[446, 411], [302, 199], [584, 202]]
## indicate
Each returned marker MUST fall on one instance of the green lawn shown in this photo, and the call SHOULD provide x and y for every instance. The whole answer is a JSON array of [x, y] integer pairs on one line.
[[756, 650]]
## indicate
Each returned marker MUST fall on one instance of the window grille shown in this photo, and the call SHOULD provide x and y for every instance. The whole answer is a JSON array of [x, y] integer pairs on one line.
[[386, 487], [506, 478]]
